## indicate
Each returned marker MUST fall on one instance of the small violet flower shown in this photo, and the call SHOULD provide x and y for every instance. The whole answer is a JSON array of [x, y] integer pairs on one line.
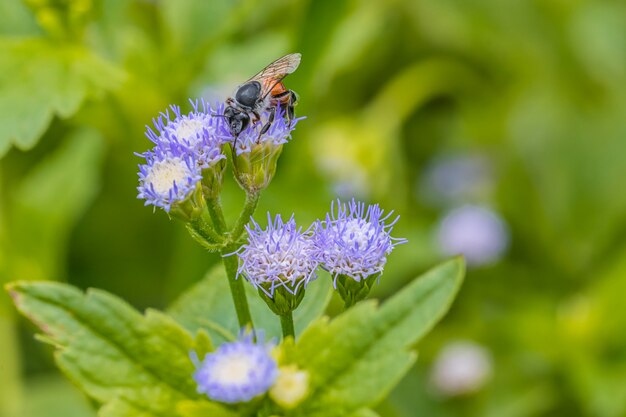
[[462, 367], [167, 179], [237, 372], [278, 134], [352, 244], [478, 233], [354, 241], [278, 259]]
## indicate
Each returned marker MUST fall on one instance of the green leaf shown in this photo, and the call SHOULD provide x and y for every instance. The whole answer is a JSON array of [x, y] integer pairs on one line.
[[203, 408], [208, 305], [132, 364], [53, 395], [16, 19], [40, 80], [355, 359], [365, 412]]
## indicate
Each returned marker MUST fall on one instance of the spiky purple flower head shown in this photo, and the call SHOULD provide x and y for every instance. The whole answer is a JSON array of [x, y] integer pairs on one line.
[[237, 372], [280, 256], [198, 134], [167, 178], [354, 240], [279, 132]]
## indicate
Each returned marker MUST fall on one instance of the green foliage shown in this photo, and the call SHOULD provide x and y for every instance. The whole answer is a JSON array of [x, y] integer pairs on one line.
[[139, 365], [537, 87], [132, 364], [39, 80], [358, 357], [49, 201], [208, 305]]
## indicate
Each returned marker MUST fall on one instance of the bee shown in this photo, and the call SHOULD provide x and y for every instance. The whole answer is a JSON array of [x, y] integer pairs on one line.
[[264, 91]]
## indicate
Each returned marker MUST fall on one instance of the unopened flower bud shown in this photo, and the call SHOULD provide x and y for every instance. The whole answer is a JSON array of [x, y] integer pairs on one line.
[[255, 154], [290, 388]]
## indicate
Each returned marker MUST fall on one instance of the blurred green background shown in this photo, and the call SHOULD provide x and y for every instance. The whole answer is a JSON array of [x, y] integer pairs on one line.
[[432, 108]]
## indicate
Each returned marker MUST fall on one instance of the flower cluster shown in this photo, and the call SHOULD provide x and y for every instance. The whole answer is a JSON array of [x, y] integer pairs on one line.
[[185, 145], [189, 154], [352, 243]]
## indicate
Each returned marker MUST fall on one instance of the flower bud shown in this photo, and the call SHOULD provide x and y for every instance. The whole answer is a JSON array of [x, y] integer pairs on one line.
[[255, 169], [290, 388], [255, 154]]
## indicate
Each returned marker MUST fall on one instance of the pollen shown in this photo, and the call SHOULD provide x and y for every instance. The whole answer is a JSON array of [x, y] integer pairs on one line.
[[164, 174], [358, 233], [234, 369], [189, 130]]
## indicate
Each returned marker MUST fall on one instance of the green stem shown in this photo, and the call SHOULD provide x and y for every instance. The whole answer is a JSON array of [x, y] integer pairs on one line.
[[203, 229], [214, 206], [252, 200], [286, 323], [236, 288]]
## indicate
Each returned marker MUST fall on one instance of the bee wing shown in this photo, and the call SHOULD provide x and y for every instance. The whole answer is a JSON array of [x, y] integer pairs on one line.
[[275, 72]]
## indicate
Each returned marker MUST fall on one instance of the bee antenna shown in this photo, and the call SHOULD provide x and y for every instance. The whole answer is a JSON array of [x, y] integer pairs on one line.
[[218, 115]]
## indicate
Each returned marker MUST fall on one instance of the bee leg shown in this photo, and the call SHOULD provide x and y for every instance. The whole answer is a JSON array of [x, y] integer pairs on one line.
[[257, 118], [270, 120], [293, 100]]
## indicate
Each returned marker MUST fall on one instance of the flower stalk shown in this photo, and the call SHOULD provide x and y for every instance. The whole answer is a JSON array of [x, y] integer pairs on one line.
[[286, 324], [236, 289]]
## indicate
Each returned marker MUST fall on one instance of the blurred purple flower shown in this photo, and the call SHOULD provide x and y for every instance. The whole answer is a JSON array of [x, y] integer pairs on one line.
[[475, 232], [461, 367], [236, 372], [455, 179]]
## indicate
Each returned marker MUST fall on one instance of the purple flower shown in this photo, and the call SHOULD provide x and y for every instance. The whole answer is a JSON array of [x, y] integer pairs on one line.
[[279, 132], [457, 178], [476, 232], [280, 256], [237, 372], [354, 241], [198, 134], [461, 367], [167, 178]]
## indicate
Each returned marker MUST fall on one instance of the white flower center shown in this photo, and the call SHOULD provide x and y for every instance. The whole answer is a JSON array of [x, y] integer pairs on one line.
[[163, 174], [234, 369], [358, 233], [188, 130]]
